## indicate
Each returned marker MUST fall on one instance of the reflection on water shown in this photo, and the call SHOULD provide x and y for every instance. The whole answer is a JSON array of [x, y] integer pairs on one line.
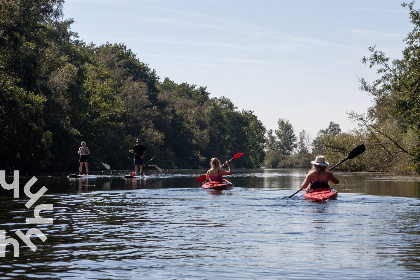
[[168, 227], [271, 179]]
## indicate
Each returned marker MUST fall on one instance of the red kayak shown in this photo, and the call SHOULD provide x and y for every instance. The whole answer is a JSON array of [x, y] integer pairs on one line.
[[218, 185], [320, 194]]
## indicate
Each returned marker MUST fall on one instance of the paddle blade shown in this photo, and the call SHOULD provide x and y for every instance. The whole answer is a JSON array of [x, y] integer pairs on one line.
[[354, 153], [357, 151], [237, 155], [106, 166], [201, 178], [157, 167]]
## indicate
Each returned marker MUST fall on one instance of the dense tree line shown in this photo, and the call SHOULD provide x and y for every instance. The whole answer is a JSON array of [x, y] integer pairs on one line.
[[392, 124], [56, 90]]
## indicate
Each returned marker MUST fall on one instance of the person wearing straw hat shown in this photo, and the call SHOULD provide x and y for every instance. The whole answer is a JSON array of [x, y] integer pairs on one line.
[[319, 175]]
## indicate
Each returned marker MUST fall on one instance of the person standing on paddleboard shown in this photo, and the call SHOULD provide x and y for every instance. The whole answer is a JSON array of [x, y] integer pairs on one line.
[[139, 151], [84, 157], [319, 175], [215, 172]]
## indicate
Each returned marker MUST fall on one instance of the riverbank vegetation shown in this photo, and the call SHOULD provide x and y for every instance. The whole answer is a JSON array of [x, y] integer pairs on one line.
[[391, 127], [57, 90]]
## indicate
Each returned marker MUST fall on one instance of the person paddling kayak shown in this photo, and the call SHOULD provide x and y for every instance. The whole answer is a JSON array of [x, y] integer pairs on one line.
[[319, 175], [215, 172]]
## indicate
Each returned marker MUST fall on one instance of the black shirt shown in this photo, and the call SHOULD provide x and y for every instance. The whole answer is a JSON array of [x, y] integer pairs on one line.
[[138, 151]]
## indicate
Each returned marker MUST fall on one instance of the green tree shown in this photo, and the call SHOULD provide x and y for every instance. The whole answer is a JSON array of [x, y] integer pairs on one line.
[[230, 131], [218, 114], [33, 45], [273, 156], [30, 31], [286, 137], [24, 141], [303, 145], [183, 123], [185, 91], [271, 142], [56, 91], [332, 129], [319, 143], [397, 97], [249, 138]]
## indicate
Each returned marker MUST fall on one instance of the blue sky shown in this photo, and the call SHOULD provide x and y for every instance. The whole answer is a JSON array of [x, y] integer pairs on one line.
[[291, 59]]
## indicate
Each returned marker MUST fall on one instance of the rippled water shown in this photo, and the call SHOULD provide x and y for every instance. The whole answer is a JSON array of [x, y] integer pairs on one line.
[[168, 227]]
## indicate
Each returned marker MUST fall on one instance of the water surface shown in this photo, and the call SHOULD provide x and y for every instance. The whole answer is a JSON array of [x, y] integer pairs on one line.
[[168, 227]]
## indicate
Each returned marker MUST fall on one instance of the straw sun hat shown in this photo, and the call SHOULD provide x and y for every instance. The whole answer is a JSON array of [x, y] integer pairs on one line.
[[320, 160]]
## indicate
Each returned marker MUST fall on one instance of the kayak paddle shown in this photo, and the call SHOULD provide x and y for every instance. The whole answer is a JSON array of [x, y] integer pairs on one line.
[[354, 153], [202, 178]]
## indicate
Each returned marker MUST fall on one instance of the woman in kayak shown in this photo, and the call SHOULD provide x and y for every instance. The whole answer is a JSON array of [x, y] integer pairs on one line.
[[215, 172], [319, 175]]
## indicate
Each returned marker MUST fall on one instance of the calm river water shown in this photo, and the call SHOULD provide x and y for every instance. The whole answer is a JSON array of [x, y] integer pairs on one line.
[[168, 227]]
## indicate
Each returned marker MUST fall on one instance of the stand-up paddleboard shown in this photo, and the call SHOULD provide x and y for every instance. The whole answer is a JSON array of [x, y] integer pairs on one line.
[[135, 176], [78, 176]]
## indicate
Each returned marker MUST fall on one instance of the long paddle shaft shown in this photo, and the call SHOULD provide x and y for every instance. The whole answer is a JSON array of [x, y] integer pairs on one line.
[[354, 153], [202, 178], [155, 166], [104, 164], [149, 160], [147, 163]]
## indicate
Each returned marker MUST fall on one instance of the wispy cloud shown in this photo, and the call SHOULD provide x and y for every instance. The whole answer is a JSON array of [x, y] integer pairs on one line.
[[399, 11], [366, 32]]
